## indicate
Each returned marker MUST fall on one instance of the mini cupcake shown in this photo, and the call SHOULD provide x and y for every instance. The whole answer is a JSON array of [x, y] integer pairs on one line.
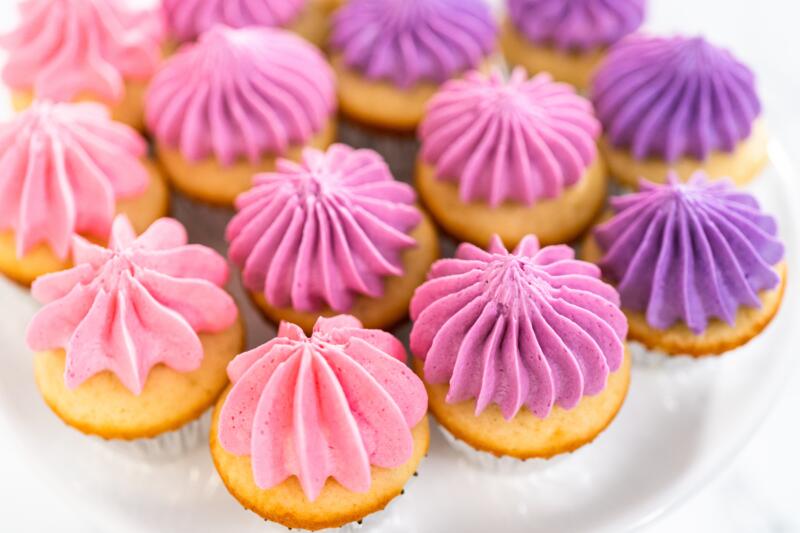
[[66, 170], [510, 157], [568, 39], [523, 353], [69, 50], [391, 56], [334, 233], [677, 104], [133, 341], [699, 267], [320, 432], [228, 106]]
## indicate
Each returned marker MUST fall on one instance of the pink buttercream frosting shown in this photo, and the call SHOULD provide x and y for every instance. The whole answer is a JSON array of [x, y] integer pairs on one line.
[[241, 93], [521, 139], [131, 306], [326, 406], [323, 231], [533, 328], [63, 48], [62, 167]]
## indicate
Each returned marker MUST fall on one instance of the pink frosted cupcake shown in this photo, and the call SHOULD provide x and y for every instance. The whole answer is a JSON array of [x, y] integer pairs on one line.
[[70, 50], [321, 431], [228, 106]]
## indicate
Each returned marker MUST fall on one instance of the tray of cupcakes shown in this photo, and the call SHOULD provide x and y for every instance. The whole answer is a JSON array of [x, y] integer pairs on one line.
[[431, 265]]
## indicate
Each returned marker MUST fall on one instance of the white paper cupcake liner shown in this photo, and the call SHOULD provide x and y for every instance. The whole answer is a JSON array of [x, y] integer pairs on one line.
[[657, 360]]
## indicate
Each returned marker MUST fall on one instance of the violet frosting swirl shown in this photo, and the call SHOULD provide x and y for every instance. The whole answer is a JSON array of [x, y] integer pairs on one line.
[[62, 168], [410, 41], [187, 19], [518, 139], [532, 328], [576, 24], [241, 93], [134, 305], [326, 406], [689, 252], [65, 48], [672, 97], [323, 231]]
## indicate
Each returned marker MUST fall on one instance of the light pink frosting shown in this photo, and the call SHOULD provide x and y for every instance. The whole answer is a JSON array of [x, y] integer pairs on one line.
[[66, 47], [241, 93], [515, 139], [62, 166], [326, 406], [138, 303], [323, 231]]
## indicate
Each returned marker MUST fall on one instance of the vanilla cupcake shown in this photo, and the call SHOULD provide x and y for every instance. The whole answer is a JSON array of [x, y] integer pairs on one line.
[[332, 234], [228, 106], [678, 104], [133, 341], [391, 56], [67, 169], [699, 266], [510, 157], [70, 50], [523, 353], [568, 39]]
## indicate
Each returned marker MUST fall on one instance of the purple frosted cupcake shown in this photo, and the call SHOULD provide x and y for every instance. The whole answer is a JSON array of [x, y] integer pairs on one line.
[[567, 39], [699, 266]]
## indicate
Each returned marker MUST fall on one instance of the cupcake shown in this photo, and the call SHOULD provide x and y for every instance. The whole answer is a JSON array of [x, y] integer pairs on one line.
[[228, 106], [698, 265], [67, 169], [334, 233], [133, 341], [70, 50], [510, 157], [677, 104], [523, 353], [390, 56], [321, 431], [568, 39]]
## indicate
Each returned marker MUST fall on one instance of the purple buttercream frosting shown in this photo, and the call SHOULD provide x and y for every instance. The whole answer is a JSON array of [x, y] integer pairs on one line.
[[689, 252], [534, 327], [671, 97], [408, 41], [576, 24]]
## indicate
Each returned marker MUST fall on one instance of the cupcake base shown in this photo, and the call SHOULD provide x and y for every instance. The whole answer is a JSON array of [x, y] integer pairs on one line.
[[553, 221], [374, 313], [336, 506], [741, 165], [212, 182], [102, 406], [142, 211], [313, 22], [526, 436]]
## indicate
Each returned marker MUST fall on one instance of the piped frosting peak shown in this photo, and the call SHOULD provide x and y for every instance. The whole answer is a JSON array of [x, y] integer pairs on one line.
[[532, 328]]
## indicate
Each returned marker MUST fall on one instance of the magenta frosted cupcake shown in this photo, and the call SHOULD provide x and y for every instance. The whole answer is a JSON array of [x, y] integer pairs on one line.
[[226, 107], [678, 104], [510, 157], [568, 39]]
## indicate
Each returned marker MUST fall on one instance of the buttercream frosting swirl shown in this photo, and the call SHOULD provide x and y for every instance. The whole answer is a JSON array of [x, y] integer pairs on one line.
[[134, 305], [689, 252], [187, 19], [533, 328], [241, 93], [63, 49], [409, 41], [326, 406], [323, 231], [671, 97], [515, 139], [62, 167], [576, 24]]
